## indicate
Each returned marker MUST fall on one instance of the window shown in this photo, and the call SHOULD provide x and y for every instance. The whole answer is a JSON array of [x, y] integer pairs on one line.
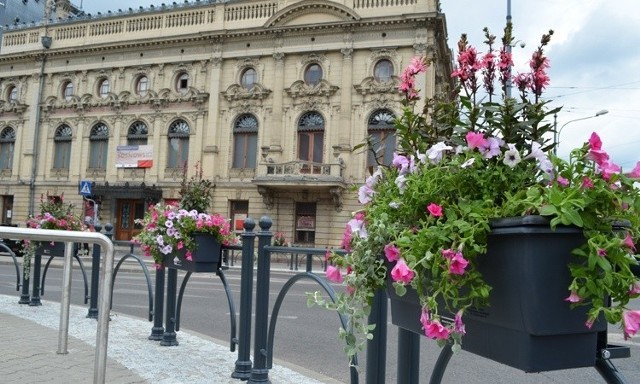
[[183, 83], [178, 144], [142, 86], [67, 91], [7, 143], [305, 223], [62, 150], [138, 133], [249, 78], [382, 133], [311, 137], [12, 94], [313, 75], [245, 141], [104, 88], [383, 70], [98, 143], [239, 210]]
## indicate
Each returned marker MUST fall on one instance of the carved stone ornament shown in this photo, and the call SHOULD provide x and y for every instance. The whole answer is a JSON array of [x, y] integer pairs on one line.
[[300, 89], [237, 92], [369, 86], [267, 196]]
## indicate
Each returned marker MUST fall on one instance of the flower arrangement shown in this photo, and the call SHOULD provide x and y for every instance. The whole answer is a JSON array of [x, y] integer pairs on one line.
[[54, 214], [195, 193], [460, 164], [168, 228], [279, 239]]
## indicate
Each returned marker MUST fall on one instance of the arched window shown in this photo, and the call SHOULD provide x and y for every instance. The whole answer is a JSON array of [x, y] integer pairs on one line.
[[62, 150], [142, 86], [311, 137], [382, 136], [313, 74], [249, 78], [178, 144], [12, 94], [182, 84], [7, 143], [104, 88], [98, 146], [245, 141], [67, 90], [383, 70], [138, 133]]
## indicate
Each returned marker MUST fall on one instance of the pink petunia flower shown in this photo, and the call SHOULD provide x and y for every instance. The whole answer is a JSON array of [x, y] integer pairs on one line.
[[435, 209], [631, 321], [458, 264], [435, 330], [333, 274], [458, 325], [402, 273], [573, 297], [628, 242], [475, 140], [586, 183], [391, 252]]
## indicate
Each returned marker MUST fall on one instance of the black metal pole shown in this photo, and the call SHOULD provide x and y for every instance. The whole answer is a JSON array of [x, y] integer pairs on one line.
[[35, 291], [377, 347], [408, 357], [95, 278], [243, 364], [169, 336], [260, 372], [157, 331], [441, 364], [25, 298]]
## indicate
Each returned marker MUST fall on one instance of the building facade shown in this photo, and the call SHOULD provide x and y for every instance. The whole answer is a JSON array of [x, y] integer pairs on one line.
[[269, 97]]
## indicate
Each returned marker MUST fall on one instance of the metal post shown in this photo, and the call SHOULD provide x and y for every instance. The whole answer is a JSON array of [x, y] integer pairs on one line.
[[260, 372], [25, 298], [104, 303], [377, 348], [408, 357], [157, 331], [95, 276], [169, 336], [65, 300], [35, 297], [243, 364]]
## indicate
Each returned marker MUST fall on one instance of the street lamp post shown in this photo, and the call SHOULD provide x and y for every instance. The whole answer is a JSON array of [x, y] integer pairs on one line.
[[557, 132]]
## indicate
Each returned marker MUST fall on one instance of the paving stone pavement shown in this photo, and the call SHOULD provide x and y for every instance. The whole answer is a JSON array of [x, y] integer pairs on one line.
[[30, 340]]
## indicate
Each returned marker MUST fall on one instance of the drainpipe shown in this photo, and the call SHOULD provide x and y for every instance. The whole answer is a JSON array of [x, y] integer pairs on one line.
[[46, 44]]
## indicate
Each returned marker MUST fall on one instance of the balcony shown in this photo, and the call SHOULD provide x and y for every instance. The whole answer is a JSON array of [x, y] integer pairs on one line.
[[300, 176]]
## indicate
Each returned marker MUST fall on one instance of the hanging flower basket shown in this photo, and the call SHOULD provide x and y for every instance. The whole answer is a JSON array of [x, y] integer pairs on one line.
[[206, 257], [528, 325]]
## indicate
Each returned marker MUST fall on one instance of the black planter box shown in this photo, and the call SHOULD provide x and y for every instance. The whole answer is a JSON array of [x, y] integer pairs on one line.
[[528, 325], [205, 258], [46, 248]]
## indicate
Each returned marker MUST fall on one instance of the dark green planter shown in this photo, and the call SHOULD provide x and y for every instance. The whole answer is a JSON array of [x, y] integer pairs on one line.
[[528, 325], [205, 258], [46, 248]]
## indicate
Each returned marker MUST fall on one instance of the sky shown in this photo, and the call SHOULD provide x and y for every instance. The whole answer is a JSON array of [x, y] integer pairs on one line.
[[593, 54]]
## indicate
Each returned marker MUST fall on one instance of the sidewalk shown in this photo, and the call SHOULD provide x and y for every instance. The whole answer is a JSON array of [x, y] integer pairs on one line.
[[30, 342]]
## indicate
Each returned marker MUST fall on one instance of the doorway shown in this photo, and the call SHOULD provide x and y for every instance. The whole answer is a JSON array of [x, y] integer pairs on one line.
[[128, 211]]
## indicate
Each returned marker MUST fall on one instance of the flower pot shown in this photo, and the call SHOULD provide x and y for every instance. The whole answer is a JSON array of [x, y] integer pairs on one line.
[[46, 248], [528, 324], [205, 258]]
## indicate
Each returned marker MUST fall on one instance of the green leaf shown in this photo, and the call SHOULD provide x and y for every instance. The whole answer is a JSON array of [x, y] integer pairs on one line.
[[401, 290], [573, 216], [548, 210]]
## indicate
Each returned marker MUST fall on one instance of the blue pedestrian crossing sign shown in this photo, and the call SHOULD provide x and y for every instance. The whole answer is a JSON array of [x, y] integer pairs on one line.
[[85, 188]]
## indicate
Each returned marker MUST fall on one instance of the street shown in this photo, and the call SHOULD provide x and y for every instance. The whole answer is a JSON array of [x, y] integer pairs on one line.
[[306, 337]]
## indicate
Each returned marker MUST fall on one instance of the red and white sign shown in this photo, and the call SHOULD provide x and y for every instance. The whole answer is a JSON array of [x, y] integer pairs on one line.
[[134, 156]]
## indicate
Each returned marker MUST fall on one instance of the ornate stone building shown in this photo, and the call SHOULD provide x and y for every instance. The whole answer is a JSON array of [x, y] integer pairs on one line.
[[270, 97]]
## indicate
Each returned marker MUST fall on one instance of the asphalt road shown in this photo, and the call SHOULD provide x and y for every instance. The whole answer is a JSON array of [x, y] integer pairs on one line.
[[305, 336]]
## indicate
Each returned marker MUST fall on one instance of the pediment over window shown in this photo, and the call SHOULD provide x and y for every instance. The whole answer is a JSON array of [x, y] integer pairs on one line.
[[370, 86], [238, 92], [301, 89], [312, 12]]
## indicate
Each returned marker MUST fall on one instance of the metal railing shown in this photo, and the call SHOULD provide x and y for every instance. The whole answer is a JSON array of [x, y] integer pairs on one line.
[[70, 237]]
